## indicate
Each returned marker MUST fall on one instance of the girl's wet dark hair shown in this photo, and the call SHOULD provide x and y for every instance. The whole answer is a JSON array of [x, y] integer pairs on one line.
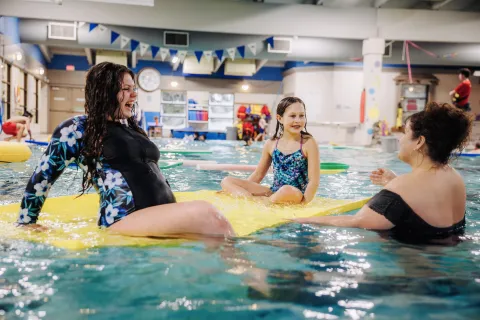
[[445, 129], [281, 108], [103, 83]]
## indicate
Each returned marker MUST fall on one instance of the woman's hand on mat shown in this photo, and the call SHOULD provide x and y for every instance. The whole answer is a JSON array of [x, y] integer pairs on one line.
[[381, 177]]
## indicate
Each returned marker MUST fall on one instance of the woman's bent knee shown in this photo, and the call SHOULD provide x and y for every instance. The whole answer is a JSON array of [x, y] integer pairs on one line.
[[216, 222]]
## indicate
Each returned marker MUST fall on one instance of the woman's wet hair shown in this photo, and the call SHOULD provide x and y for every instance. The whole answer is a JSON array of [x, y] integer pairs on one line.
[[104, 82], [445, 129], [281, 108]]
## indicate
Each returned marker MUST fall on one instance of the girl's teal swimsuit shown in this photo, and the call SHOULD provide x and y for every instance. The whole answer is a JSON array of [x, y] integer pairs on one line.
[[289, 169]]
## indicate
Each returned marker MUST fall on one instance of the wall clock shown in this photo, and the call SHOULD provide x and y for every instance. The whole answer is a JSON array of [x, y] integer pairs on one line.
[[149, 79]]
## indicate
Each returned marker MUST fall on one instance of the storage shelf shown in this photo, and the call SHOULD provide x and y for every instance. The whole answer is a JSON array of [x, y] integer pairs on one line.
[[173, 115], [221, 117]]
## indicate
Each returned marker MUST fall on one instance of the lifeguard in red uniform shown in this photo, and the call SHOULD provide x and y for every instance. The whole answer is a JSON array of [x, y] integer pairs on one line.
[[462, 92]]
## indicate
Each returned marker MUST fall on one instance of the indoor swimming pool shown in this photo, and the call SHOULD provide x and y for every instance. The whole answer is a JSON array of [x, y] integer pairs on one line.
[[285, 272]]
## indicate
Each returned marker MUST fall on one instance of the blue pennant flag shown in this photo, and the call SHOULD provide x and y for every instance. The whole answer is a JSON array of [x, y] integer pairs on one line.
[[114, 37], [154, 51], [219, 54], [199, 55], [173, 52], [134, 44], [93, 26], [241, 50], [270, 42]]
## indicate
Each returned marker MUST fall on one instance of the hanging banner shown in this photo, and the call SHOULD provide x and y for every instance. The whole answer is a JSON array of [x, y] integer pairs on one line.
[[143, 48], [231, 53], [114, 36], [102, 28], [219, 54], [270, 42], [154, 51], [199, 55], [124, 41], [92, 26], [241, 50], [81, 24], [134, 44], [253, 48], [181, 55], [208, 55], [163, 53], [173, 52]]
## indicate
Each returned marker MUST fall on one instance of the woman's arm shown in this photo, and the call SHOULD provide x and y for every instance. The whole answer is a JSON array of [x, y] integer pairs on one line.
[[264, 164], [63, 149], [366, 218], [313, 156]]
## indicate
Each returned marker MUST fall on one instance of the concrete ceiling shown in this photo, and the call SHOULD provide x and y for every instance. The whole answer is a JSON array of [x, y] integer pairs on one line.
[[448, 5]]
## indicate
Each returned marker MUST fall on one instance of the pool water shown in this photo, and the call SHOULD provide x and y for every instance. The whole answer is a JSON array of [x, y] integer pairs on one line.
[[287, 272]]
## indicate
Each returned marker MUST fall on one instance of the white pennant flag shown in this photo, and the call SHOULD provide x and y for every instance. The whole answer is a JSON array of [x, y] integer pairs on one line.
[[181, 55], [102, 28], [163, 53], [124, 41], [208, 55], [143, 48], [253, 48], [81, 24], [231, 52]]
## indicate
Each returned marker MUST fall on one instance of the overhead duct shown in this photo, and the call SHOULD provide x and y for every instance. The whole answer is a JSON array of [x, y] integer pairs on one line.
[[192, 66], [245, 67]]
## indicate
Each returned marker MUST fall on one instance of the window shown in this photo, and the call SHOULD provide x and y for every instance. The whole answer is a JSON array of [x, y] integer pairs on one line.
[[37, 85], [5, 77]]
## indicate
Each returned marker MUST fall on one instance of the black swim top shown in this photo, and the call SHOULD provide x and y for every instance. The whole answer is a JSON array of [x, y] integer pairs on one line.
[[408, 225], [136, 157], [127, 177]]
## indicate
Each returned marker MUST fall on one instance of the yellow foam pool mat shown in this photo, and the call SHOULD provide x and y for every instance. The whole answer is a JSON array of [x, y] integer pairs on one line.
[[72, 222]]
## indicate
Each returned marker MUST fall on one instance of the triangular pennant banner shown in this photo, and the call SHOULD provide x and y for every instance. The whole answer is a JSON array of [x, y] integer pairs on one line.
[[231, 53], [134, 44], [124, 41], [173, 52], [219, 54], [81, 24], [182, 54], [163, 53], [114, 36], [102, 28], [93, 26], [208, 55], [270, 42], [241, 50], [154, 51], [199, 55], [143, 48], [253, 48]]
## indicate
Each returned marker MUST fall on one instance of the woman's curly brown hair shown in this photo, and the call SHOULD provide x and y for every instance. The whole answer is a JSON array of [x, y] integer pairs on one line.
[[445, 129]]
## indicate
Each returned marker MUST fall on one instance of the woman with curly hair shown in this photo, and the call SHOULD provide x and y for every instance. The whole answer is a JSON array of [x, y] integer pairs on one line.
[[120, 162]]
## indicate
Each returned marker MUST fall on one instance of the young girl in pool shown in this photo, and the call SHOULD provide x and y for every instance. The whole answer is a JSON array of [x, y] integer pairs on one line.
[[295, 158]]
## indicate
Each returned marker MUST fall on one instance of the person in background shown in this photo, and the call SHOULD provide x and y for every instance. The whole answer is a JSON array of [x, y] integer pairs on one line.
[[248, 140], [461, 93], [18, 126], [428, 204], [262, 126], [294, 154]]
